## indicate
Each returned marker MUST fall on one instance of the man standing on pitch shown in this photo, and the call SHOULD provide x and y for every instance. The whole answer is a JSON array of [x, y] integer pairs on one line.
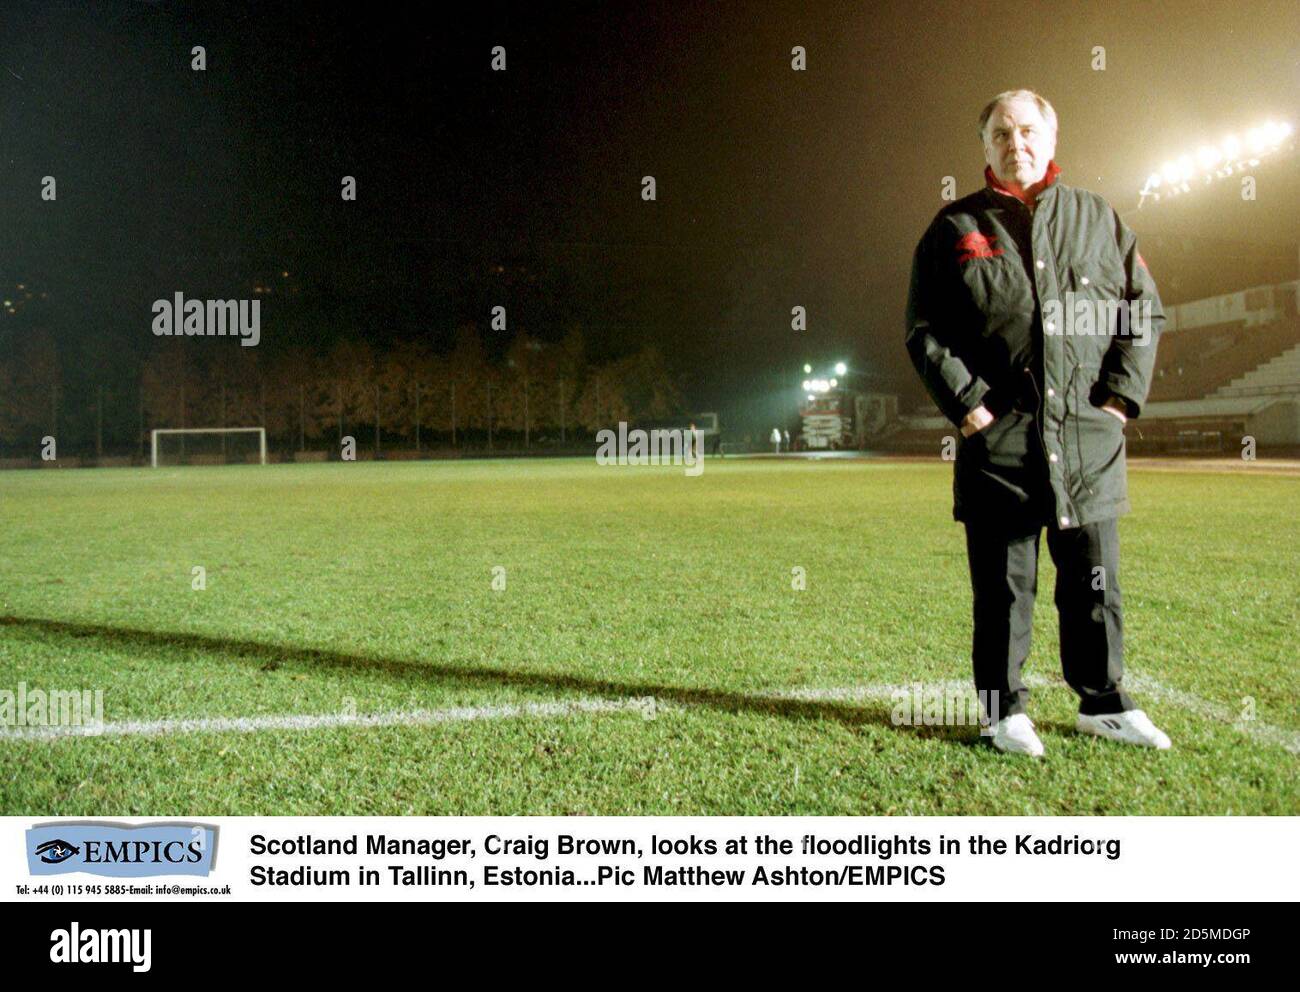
[[1041, 399]]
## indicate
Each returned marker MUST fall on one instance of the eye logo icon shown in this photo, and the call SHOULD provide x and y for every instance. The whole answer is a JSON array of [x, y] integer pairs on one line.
[[54, 852], [121, 850]]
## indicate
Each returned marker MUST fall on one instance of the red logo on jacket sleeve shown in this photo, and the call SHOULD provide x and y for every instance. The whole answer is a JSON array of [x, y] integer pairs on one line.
[[976, 245]]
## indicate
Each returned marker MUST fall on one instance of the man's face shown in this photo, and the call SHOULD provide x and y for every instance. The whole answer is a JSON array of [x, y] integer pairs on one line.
[[1018, 143]]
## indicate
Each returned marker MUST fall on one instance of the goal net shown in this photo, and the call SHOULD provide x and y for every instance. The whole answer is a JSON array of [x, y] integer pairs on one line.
[[207, 446]]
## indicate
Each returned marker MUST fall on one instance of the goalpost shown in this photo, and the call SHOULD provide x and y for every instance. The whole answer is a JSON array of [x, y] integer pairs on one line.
[[158, 432]]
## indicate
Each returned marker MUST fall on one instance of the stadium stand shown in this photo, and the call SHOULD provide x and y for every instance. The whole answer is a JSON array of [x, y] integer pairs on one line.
[[1228, 367], [1278, 375], [1195, 362], [1218, 381]]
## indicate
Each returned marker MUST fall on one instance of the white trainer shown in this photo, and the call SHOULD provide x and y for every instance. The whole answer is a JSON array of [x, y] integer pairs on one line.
[[1129, 727], [1015, 735]]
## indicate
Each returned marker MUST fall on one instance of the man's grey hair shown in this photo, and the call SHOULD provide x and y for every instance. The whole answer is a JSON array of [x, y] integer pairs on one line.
[[1010, 96]]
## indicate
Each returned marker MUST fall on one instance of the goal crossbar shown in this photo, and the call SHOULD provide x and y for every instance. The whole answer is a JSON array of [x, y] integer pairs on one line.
[[160, 431]]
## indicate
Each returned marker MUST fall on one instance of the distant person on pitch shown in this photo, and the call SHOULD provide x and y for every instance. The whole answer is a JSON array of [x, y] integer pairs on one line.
[[1041, 412], [776, 440]]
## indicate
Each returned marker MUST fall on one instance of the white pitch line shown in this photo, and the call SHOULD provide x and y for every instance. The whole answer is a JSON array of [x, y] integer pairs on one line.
[[1264, 732], [854, 693], [647, 706], [316, 721]]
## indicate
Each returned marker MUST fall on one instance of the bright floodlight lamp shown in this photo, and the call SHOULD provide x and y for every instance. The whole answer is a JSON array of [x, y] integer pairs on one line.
[[834, 383], [840, 368], [807, 369], [805, 385], [1210, 162]]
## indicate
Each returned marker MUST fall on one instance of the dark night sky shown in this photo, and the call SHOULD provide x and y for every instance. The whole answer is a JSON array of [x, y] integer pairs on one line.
[[775, 187]]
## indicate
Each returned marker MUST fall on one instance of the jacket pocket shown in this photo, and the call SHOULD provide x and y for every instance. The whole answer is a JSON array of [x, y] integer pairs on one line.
[[1098, 440], [996, 286], [1095, 306], [1099, 277]]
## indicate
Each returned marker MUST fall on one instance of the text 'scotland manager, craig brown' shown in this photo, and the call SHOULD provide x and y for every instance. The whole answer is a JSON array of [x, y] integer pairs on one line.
[[1033, 320]]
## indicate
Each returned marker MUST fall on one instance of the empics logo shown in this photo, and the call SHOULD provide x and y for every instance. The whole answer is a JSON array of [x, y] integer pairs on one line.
[[122, 850], [77, 946], [55, 852]]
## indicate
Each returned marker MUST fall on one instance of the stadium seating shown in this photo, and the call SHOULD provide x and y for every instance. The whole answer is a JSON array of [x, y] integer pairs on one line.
[[1194, 363], [1279, 374]]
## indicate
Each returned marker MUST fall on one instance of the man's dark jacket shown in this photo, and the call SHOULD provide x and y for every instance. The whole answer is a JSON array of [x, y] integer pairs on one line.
[[989, 277]]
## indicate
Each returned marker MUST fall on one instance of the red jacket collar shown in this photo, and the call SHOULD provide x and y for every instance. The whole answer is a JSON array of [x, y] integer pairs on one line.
[[1029, 195]]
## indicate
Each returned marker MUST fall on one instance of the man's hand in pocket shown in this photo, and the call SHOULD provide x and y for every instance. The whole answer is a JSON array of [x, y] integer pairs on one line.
[[1115, 406], [976, 421]]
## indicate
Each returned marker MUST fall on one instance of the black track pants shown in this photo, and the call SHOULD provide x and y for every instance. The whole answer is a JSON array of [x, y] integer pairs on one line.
[[1004, 577]]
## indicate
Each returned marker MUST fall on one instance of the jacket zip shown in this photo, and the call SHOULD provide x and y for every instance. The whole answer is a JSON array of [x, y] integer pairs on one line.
[[1042, 401], [1078, 427]]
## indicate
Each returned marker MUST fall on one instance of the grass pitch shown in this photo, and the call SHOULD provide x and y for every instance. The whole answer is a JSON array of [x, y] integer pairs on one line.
[[369, 589]]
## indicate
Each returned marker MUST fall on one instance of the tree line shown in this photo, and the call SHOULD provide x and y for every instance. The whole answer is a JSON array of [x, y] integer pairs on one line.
[[396, 395]]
